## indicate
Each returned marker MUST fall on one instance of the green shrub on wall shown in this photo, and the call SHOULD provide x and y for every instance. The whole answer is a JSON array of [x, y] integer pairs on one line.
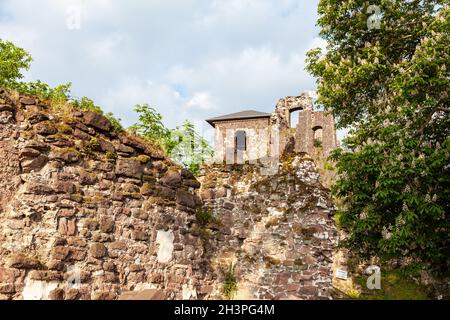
[[230, 284]]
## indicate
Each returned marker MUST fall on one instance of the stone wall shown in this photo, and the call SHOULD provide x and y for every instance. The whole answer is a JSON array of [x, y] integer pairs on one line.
[[89, 213], [86, 213], [277, 231], [257, 135], [311, 122], [281, 119]]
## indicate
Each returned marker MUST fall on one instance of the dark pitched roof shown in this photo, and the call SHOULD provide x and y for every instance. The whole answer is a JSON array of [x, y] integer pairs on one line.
[[248, 114]]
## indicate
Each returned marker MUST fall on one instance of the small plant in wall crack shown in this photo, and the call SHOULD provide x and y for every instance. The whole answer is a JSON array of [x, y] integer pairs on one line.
[[317, 143], [206, 222], [205, 217], [230, 284]]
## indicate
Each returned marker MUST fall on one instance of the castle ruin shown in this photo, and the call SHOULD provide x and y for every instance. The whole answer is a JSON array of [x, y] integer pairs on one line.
[[251, 135]]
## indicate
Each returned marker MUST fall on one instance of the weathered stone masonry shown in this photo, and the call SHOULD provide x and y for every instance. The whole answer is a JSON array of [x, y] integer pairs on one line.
[[86, 213], [78, 201], [277, 231]]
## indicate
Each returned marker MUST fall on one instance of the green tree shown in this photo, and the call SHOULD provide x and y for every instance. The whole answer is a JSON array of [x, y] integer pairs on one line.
[[151, 126], [390, 85], [13, 60], [183, 144], [189, 147]]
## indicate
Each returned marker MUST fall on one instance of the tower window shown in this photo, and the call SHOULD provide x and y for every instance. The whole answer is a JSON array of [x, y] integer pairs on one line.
[[240, 141], [318, 133]]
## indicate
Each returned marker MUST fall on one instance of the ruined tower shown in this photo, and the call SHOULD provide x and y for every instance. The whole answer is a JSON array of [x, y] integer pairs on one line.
[[251, 135]]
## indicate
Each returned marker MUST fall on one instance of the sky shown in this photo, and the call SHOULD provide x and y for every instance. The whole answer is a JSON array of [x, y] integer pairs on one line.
[[190, 59]]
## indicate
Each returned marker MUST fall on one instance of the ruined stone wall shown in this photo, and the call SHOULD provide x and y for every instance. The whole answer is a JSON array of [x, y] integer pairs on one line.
[[281, 118], [309, 122], [86, 213], [277, 230]]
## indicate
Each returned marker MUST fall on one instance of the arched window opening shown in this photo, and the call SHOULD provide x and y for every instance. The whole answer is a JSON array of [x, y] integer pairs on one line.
[[318, 136], [294, 118]]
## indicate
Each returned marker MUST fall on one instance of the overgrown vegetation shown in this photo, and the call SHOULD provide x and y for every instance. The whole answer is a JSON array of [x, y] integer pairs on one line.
[[12, 61], [390, 85], [395, 285], [317, 143], [206, 222], [230, 284], [205, 217], [183, 144]]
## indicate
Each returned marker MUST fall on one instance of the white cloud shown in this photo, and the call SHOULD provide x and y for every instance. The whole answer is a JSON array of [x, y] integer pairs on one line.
[[201, 100], [103, 51], [254, 78], [131, 91]]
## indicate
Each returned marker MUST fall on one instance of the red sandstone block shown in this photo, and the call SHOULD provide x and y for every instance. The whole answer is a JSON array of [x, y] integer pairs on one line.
[[8, 275]]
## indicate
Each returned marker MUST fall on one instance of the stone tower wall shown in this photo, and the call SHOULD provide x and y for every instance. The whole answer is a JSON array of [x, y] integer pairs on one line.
[[261, 133], [281, 118], [257, 134], [309, 121]]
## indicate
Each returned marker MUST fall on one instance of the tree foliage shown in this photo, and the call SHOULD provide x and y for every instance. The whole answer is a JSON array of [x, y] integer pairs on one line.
[[151, 126], [183, 144], [391, 86], [189, 147], [13, 60]]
